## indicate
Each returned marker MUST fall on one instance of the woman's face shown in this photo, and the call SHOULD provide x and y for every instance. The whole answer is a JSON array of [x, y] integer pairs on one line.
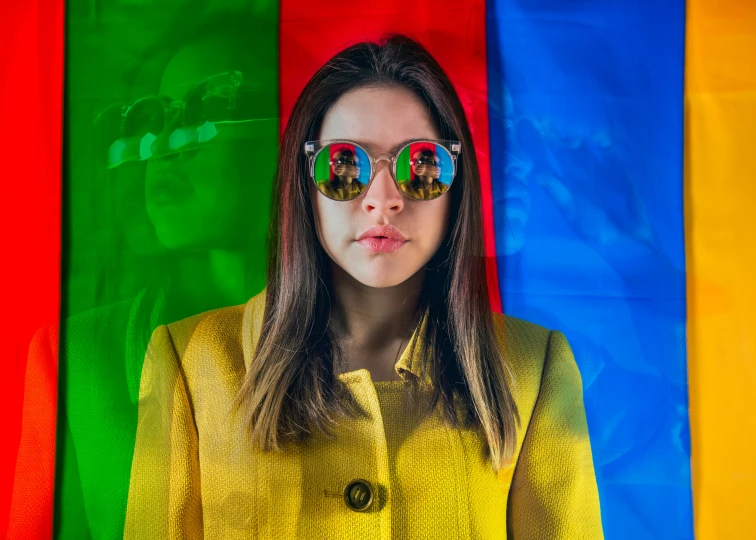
[[382, 120], [425, 167], [195, 199], [347, 170]]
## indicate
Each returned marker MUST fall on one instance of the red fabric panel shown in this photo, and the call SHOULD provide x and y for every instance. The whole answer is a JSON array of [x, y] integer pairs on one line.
[[31, 79], [419, 147], [337, 147], [455, 34]]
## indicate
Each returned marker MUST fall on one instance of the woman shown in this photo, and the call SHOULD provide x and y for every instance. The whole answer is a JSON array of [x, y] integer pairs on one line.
[[368, 391]]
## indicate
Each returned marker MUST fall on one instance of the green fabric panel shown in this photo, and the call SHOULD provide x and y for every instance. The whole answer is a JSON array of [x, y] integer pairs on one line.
[[152, 242], [323, 167], [402, 166]]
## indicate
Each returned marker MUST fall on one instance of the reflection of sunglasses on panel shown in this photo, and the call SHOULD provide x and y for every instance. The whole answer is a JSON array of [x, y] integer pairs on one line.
[[221, 108], [325, 156]]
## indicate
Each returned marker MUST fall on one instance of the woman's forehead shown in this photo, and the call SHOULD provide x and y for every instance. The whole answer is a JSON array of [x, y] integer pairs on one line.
[[379, 118], [207, 57]]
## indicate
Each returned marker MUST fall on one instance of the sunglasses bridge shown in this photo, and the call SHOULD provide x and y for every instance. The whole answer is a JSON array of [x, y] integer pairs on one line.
[[374, 160]]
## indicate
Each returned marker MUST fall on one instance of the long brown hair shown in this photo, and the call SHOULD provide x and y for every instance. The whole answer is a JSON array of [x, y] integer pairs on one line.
[[291, 388]]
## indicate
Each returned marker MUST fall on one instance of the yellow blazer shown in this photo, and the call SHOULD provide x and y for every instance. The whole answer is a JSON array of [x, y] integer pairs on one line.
[[341, 191], [196, 475], [422, 191]]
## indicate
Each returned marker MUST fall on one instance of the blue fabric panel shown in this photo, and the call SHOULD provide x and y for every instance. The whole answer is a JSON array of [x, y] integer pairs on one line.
[[586, 111]]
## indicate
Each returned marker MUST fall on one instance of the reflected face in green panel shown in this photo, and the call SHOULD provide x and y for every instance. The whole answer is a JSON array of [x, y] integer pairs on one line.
[[212, 197], [196, 200]]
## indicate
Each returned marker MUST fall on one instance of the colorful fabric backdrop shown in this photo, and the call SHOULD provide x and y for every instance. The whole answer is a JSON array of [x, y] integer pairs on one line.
[[617, 181]]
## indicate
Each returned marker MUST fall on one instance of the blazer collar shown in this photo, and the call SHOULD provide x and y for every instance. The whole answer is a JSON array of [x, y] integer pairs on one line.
[[410, 363], [252, 325]]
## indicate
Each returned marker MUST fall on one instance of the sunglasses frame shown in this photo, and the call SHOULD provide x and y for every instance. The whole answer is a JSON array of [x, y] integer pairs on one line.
[[313, 148], [174, 111]]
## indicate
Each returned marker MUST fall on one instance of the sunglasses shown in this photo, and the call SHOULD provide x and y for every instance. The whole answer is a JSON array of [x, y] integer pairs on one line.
[[219, 108], [422, 169]]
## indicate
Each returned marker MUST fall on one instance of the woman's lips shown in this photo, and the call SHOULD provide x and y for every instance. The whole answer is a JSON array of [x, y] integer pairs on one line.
[[381, 244], [168, 189]]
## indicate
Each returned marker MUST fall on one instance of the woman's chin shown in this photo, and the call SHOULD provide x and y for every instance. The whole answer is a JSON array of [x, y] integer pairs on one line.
[[382, 278], [382, 283]]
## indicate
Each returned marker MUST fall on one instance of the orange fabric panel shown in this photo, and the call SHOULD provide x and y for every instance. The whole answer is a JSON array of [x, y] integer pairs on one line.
[[721, 255], [32, 500]]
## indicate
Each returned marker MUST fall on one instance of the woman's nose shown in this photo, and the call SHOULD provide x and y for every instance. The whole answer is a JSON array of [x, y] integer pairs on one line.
[[383, 195]]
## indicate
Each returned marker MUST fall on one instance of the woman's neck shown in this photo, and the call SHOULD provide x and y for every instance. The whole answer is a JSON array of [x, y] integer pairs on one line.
[[208, 280], [372, 325]]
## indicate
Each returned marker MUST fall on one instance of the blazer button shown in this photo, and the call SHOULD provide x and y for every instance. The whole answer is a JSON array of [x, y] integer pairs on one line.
[[358, 495]]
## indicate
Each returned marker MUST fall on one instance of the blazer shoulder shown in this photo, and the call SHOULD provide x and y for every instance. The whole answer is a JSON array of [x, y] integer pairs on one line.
[[525, 348], [523, 342], [205, 326]]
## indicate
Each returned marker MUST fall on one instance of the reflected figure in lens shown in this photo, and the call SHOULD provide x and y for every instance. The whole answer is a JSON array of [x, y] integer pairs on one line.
[[426, 171], [345, 184]]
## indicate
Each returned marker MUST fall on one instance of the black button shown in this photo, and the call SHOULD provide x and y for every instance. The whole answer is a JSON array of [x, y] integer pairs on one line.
[[358, 494]]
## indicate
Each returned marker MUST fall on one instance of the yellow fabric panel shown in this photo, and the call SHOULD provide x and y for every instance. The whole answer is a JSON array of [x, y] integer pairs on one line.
[[196, 475], [720, 139]]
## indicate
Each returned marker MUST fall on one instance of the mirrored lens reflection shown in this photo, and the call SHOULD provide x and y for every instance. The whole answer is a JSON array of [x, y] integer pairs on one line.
[[424, 170], [342, 171]]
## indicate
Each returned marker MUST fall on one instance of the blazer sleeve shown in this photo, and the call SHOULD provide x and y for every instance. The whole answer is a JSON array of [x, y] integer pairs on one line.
[[554, 493], [164, 491]]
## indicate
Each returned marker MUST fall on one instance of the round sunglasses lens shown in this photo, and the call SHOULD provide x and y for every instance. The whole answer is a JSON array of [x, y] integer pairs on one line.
[[144, 116], [342, 171], [424, 170], [107, 133], [125, 132]]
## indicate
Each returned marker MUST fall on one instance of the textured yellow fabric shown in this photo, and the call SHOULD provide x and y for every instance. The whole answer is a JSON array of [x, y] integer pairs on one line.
[[196, 475]]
